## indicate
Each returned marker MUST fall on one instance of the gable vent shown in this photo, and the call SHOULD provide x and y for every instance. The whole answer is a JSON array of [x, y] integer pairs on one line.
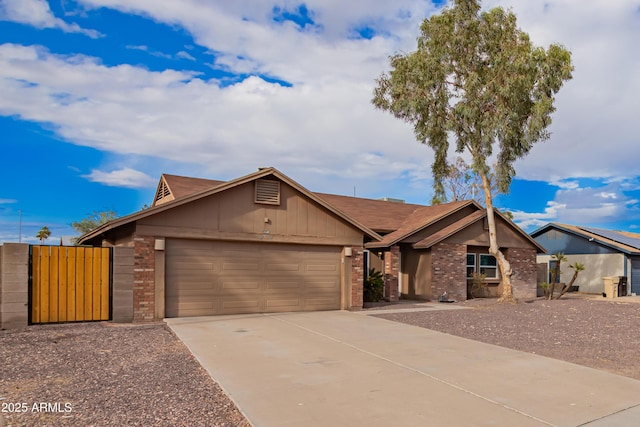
[[163, 191], [267, 192]]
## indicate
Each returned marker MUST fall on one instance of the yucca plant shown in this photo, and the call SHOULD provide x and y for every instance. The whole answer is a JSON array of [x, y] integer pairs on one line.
[[577, 268]]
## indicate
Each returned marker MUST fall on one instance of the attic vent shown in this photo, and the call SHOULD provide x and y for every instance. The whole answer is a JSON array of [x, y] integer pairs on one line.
[[163, 191], [267, 192]]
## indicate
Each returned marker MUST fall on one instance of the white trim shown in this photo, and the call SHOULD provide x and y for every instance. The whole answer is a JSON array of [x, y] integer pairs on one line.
[[480, 266]]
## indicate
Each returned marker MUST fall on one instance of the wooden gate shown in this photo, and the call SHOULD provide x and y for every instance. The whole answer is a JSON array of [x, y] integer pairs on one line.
[[70, 284]]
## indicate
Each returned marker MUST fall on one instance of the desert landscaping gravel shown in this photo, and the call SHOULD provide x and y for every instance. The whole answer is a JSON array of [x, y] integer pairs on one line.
[[104, 374], [598, 333]]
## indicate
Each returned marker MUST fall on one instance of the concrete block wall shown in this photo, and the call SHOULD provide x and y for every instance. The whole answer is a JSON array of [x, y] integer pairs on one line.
[[122, 297], [14, 285]]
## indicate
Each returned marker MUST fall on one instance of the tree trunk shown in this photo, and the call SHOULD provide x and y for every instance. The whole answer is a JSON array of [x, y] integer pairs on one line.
[[494, 249], [567, 287]]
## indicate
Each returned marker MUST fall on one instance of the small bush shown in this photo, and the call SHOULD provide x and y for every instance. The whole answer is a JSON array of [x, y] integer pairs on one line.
[[478, 285], [373, 286]]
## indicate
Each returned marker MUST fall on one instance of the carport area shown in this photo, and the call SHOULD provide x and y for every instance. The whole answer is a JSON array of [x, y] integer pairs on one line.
[[350, 369]]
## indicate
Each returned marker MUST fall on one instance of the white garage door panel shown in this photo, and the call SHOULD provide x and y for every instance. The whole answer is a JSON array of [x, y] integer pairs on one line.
[[207, 278]]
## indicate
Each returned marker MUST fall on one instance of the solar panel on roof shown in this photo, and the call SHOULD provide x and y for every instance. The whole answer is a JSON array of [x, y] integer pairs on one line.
[[615, 236]]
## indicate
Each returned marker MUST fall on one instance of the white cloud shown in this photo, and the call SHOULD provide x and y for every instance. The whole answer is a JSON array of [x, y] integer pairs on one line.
[[323, 129], [583, 206], [173, 115], [38, 14], [7, 201], [125, 177], [531, 220], [595, 128], [185, 55]]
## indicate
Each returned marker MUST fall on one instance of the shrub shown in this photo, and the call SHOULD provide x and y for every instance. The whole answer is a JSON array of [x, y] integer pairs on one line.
[[478, 285], [373, 286]]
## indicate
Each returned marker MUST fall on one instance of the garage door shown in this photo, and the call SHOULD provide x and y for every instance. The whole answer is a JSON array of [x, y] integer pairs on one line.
[[635, 275], [205, 278]]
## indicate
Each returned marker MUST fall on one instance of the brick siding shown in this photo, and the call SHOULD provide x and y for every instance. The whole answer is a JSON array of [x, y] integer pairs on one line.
[[143, 279], [357, 277], [449, 271], [523, 266], [391, 272]]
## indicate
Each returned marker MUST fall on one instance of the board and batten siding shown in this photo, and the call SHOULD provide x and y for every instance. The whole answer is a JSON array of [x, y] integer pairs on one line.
[[233, 215]]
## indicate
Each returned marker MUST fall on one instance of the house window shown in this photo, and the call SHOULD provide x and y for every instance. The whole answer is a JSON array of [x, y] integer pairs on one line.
[[488, 266], [471, 265], [267, 192]]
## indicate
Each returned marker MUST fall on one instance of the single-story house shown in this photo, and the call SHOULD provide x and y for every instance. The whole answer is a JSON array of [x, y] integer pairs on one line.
[[604, 253], [264, 243]]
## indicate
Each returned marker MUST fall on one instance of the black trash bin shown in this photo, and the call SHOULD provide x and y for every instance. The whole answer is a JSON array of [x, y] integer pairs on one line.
[[622, 286]]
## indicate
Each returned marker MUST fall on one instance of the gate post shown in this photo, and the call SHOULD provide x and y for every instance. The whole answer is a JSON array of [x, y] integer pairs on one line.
[[14, 285]]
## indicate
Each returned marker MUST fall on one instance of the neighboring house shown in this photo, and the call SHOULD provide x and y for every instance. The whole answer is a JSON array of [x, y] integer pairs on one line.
[[604, 253], [264, 243]]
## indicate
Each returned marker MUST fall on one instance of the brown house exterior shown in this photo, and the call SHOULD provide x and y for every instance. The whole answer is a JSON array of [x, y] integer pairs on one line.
[[263, 243]]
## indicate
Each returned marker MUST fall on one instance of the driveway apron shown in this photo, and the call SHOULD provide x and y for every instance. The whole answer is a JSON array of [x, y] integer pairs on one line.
[[340, 368]]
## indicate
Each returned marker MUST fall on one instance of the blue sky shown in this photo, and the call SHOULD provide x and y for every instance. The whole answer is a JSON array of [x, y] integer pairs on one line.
[[99, 97]]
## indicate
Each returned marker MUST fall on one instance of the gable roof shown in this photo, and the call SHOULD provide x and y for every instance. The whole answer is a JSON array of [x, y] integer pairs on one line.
[[450, 230], [459, 225], [379, 215], [622, 241], [218, 187], [421, 218], [172, 187]]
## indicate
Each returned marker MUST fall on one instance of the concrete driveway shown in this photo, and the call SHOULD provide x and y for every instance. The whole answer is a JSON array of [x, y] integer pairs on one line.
[[340, 368]]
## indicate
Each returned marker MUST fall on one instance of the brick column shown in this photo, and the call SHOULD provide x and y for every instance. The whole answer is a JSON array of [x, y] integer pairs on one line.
[[523, 266], [143, 279], [449, 271], [357, 277], [391, 273]]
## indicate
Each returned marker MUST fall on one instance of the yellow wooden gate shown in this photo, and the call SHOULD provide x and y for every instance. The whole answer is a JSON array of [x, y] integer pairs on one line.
[[69, 284]]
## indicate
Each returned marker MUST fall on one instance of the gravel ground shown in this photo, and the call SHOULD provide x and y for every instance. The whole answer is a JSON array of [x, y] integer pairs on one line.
[[103, 374], [601, 334]]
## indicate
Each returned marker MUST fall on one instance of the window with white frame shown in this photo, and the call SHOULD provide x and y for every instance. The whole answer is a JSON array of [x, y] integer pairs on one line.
[[471, 265], [488, 266]]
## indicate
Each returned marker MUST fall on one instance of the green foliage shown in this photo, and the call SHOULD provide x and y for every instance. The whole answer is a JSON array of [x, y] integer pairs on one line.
[[43, 234], [508, 214], [546, 286], [476, 79], [559, 257], [462, 183], [93, 221], [373, 286], [478, 285], [477, 76]]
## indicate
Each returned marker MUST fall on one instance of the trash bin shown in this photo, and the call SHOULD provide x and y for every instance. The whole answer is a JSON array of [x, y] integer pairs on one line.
[[611, 286], [622, 286]]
